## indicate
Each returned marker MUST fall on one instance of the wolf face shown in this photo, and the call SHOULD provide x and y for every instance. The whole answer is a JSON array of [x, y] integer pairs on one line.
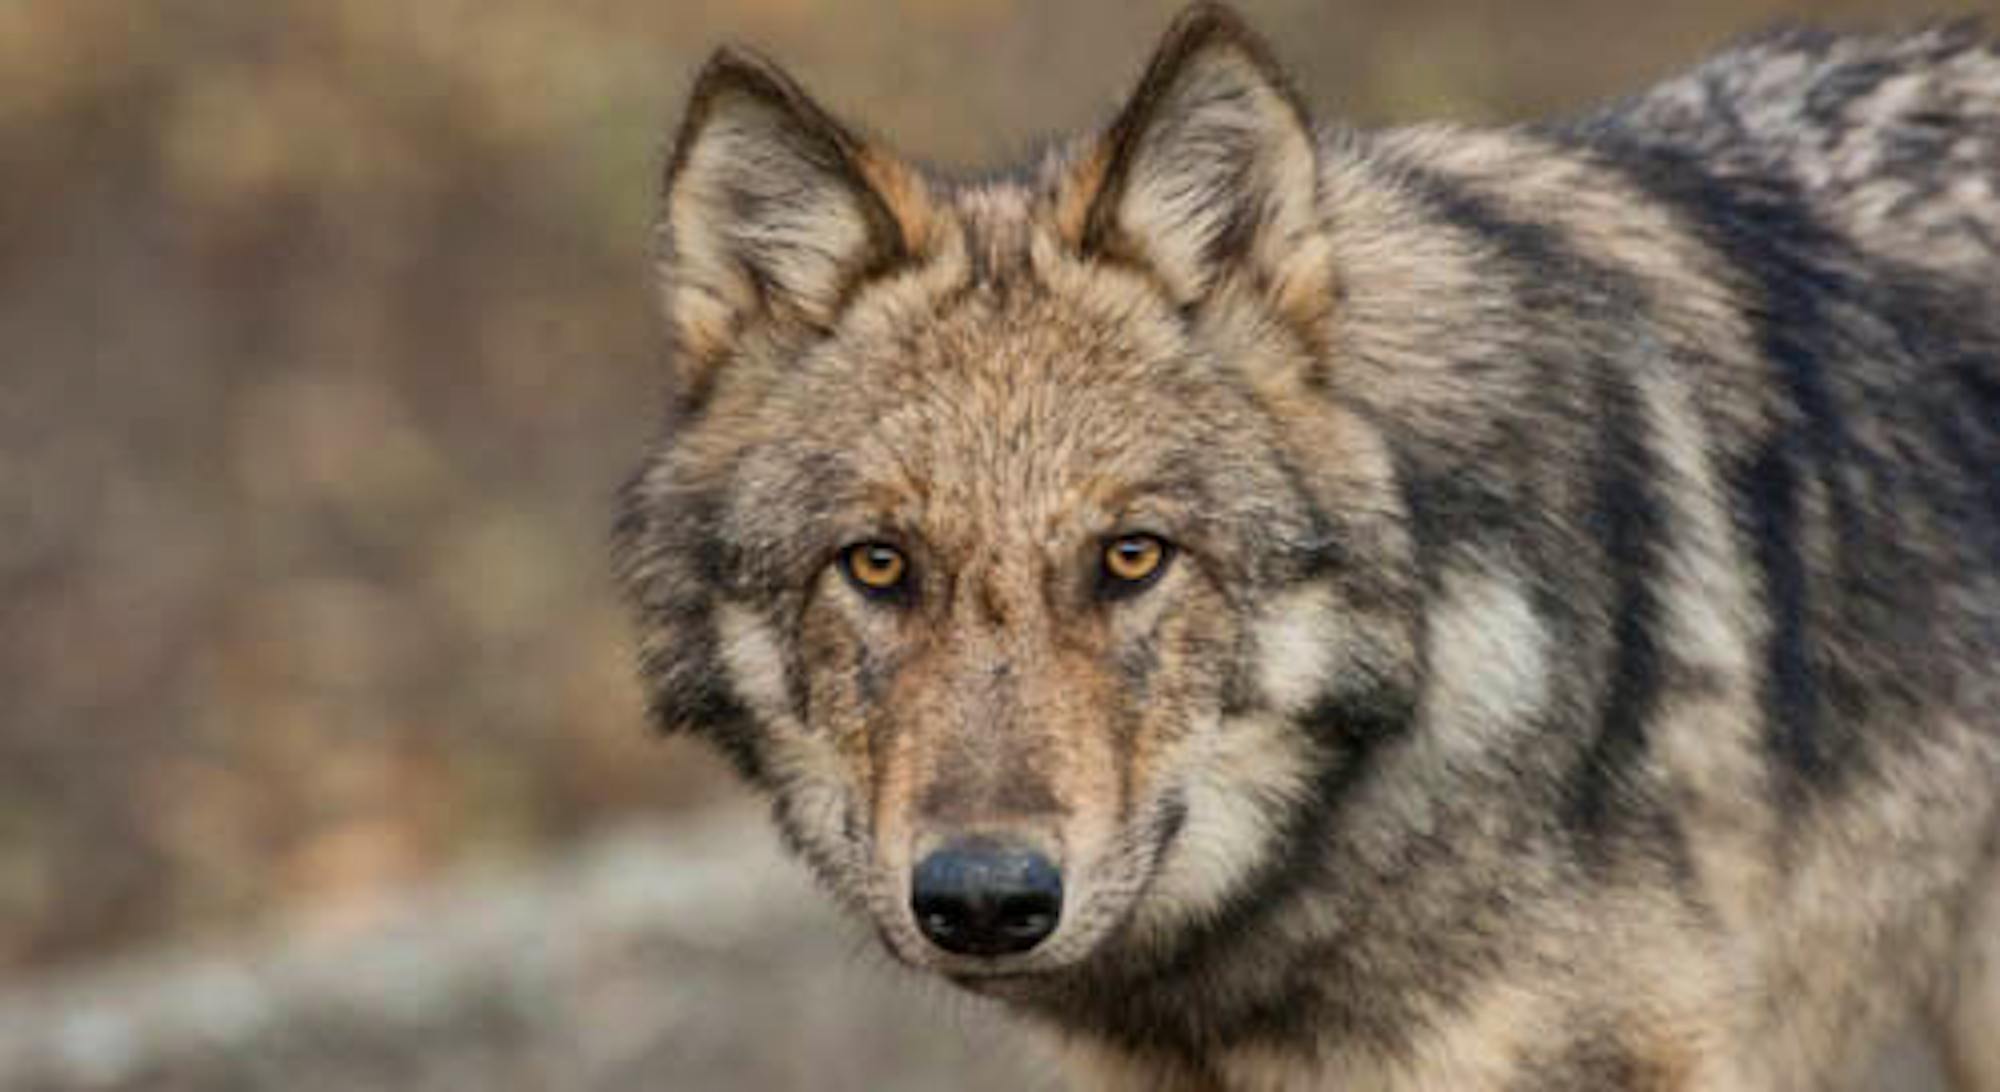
[[981, 525]]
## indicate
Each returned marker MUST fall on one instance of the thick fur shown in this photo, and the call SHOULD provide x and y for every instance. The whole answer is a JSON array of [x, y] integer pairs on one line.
[[1580, 665]]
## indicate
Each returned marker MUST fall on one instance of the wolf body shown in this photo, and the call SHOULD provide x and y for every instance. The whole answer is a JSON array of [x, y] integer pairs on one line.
[[1572, 655]]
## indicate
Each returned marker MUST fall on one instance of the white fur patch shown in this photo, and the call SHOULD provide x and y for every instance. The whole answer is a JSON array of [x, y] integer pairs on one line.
[[817, 792], [1298, 648], [1243, 774], [755, 664], [1708, 616], [1489, 659]]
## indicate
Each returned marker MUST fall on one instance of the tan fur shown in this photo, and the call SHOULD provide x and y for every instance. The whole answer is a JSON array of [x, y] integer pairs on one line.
[[1972, 1002]]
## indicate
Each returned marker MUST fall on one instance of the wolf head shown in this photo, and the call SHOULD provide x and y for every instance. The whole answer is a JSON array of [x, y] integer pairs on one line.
[[1005, 533]]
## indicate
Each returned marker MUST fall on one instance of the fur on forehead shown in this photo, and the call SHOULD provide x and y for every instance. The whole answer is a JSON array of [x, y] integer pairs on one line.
[[1024, 418], [1009, 378]]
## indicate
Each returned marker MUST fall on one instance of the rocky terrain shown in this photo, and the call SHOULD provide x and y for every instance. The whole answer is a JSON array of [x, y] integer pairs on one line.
[[658, 957]]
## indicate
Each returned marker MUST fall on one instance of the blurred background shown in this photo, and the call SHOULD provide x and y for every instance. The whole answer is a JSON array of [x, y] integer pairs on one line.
[[325, 336]]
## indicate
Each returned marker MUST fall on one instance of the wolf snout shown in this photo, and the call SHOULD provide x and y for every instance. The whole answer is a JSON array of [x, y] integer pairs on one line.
[[984, 897]]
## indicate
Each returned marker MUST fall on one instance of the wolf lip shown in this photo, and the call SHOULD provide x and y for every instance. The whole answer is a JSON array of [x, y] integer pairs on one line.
[[1001, 984]]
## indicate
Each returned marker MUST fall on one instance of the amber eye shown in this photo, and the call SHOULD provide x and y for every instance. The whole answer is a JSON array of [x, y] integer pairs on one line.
[[874, 567], [1132, 561]]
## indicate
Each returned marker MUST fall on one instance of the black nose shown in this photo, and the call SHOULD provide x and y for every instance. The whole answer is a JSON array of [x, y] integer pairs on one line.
[[982, 897]]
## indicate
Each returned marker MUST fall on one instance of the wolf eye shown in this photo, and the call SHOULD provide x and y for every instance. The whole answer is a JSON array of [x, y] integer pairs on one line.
[[874, 567], [1133, 561]]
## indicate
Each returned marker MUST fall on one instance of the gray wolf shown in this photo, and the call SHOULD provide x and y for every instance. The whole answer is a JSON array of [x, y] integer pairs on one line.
[[1294, 607]]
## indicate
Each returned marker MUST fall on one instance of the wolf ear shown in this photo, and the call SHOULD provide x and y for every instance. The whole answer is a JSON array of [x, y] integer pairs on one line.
[[773, 212], [1209, 169]]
